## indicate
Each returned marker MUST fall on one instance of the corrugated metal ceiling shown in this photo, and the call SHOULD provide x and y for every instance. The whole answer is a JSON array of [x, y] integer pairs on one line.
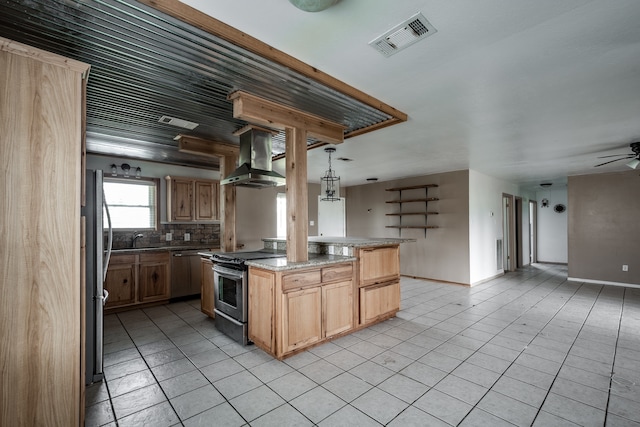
[[146, 64]]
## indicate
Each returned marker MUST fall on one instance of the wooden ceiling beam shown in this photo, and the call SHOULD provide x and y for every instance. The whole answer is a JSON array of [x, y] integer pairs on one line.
[[226, 32], [268, 113], [206, 147]]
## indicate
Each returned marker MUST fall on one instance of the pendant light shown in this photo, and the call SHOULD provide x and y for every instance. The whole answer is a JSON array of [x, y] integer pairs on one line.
[[330, 183]]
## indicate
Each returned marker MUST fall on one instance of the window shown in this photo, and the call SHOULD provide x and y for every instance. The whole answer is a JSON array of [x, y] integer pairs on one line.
[[132, 203], [281, 215]]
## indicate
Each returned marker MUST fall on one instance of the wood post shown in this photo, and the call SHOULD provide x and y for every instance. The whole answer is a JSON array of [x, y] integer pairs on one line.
[[297, 195]]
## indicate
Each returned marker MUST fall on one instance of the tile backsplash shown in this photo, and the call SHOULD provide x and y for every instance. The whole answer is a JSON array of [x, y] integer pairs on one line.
[[200, 234]]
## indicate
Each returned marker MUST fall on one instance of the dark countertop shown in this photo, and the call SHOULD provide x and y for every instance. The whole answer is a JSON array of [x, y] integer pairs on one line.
[[129, 251], [348, 241]]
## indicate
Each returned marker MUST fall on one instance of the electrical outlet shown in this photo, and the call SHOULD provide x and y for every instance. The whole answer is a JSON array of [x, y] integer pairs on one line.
[[345, 251], [187, 237], [625, 267], [168, 237], [331, 250]]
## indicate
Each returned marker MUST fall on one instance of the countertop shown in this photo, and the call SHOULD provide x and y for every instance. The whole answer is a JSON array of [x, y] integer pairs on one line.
[[315, 260], [347, 241], [128, 251]]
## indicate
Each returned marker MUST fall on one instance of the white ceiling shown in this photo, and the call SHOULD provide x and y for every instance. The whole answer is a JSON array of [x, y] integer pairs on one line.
[[525, 91]]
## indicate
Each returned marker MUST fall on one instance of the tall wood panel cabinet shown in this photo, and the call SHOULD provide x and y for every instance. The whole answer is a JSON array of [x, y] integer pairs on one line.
[[41, 290]]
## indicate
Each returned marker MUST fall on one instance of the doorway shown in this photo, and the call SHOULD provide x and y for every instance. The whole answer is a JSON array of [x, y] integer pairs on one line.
[[331, 218], [508, 233], [533, 231]]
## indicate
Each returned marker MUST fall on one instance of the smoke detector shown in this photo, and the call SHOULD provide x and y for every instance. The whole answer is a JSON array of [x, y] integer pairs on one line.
[[403, 35], [178, 122]]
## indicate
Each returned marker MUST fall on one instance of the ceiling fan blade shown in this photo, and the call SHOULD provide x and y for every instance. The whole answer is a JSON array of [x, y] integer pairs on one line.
[[611, 161], [613, 155]]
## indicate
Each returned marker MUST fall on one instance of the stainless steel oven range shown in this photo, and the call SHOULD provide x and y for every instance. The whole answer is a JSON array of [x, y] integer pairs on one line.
[[231, 296]]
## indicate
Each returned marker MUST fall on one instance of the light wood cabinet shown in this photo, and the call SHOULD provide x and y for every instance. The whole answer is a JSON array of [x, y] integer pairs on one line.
[[379, 264], [42, 296], [190, 199], [379, 301], [337, 308], [207, 292], [301, 318], [292, 310], [262, 310], [138, 279]]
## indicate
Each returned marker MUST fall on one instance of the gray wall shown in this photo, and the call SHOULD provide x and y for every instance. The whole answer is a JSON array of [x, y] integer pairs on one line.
[[604, 230], [444, 253], [256, 214]]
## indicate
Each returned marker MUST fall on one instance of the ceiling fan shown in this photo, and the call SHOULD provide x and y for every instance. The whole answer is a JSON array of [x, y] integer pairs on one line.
[[635, 147]]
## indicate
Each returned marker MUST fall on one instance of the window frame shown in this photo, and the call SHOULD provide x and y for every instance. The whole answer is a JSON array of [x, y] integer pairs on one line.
[[155, 184]]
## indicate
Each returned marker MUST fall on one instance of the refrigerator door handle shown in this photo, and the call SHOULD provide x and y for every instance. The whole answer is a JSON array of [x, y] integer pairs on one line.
[[104, 297]]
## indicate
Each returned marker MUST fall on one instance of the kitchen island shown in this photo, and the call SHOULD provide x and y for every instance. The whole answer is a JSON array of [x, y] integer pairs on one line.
[[347, 284]]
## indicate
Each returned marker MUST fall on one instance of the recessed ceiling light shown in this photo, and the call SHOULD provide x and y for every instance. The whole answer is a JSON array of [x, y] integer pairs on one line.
[[178, 122]]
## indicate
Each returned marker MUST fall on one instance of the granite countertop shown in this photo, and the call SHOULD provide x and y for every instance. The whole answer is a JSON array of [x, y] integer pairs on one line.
[[128, 251], [348, 241], [315, 260]]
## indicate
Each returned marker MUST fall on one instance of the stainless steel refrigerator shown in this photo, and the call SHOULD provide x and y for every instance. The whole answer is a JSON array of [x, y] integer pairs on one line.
[[97, 259]]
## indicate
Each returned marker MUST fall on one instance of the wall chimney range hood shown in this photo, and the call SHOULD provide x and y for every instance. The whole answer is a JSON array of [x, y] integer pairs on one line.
[[255, 169]]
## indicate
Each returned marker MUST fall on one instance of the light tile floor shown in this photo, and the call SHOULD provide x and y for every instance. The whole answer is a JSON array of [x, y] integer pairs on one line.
[[528, 348]]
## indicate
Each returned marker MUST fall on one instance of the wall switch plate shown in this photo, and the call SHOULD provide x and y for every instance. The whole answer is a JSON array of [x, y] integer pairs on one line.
[[168, 237], [187, 237], [312, 223], [625, 267]]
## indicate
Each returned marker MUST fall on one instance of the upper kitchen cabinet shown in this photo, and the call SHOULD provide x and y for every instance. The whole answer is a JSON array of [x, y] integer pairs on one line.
[[190, 199], [41, 290]]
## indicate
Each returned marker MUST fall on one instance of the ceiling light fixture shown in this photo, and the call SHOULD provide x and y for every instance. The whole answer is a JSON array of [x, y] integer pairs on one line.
[[633, 164], [330, 183], [313, 5]]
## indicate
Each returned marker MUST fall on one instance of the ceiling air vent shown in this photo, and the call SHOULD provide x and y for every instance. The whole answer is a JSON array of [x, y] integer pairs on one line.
[[178, 122], [403, 35]]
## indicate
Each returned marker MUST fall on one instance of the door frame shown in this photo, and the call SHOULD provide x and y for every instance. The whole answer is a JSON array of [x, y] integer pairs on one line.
[[508, 232]]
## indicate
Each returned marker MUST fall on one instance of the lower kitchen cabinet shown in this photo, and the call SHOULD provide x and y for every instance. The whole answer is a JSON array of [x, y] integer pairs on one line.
[[379, 301], [121, 281], [207, 292], [301, 318], [295, 309], [137, 279], [337, 308], [154, 276]]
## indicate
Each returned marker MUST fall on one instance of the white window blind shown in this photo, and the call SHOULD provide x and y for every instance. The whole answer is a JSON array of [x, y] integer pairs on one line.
[[132, 203]]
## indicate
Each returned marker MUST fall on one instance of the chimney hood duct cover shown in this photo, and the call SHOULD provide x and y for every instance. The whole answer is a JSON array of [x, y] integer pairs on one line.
[[255, 160]]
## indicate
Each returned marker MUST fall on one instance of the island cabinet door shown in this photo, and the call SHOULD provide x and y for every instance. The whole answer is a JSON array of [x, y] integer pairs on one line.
[[337, 307], [378, 301], [301, 318], [261, 309], [380, 264]]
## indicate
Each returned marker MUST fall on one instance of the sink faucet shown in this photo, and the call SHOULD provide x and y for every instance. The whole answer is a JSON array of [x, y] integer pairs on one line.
[[136, 236]]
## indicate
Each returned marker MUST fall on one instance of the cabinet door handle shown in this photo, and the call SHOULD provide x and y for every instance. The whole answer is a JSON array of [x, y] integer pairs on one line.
[[177, 254]]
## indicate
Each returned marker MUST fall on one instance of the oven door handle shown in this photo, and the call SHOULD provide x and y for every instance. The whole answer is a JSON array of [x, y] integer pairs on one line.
[[228, 271]]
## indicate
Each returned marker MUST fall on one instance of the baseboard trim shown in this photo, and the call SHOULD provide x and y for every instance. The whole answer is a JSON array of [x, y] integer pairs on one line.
[[603, 282]]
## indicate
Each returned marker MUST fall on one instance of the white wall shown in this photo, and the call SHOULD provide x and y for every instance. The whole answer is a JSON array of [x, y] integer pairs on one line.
[[552, 227]]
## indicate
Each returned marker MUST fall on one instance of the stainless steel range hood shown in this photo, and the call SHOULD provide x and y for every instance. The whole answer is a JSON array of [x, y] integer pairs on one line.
[[255, 160]]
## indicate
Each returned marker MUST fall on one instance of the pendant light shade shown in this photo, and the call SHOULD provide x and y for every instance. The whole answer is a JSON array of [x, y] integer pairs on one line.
[[330, 183], [313, 5]]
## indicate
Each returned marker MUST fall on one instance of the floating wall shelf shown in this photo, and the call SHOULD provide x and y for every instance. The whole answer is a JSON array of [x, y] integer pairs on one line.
[[426, 213]]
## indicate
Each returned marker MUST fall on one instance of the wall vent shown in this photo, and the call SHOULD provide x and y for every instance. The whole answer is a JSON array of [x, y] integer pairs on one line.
[[403, 35], [178, 122]]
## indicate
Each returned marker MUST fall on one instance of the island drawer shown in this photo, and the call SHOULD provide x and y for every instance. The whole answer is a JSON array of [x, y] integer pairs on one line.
[[337, 272], [302, 279]]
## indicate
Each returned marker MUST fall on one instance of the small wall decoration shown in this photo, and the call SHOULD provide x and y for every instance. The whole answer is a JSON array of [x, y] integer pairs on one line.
[[559, 208]]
